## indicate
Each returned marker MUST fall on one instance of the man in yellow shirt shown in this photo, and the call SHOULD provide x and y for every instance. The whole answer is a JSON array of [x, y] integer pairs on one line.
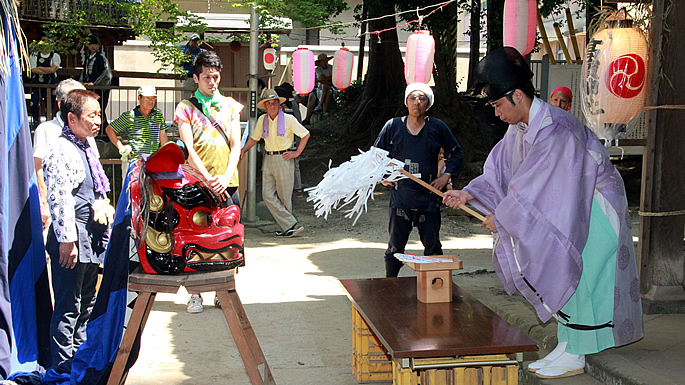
[[212, 153], [278, 170]]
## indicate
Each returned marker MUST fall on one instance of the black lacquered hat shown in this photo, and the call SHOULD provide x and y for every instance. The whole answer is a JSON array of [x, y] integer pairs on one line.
[[502, 71]]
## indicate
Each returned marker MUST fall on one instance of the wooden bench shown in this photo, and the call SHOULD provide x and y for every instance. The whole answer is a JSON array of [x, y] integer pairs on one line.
[[398, 338], [222, 282]]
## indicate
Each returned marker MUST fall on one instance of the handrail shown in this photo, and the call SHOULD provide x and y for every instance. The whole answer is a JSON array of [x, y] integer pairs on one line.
[[123, 98]]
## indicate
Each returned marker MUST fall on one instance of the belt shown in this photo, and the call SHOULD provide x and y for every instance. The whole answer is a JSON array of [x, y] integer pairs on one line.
[[276, 152]]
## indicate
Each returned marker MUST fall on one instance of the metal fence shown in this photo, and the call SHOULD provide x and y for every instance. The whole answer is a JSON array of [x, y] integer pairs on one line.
[[122, 99]]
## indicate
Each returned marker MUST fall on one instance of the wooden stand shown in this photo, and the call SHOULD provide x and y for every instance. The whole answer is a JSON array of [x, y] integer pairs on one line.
[[222, 282], [434, 280], [461, 342]]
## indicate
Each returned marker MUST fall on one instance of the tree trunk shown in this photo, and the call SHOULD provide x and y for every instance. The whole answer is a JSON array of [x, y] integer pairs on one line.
[[445, 74], [660, 254], [362, 41], [474, 52], [384, 84], [495, 24]]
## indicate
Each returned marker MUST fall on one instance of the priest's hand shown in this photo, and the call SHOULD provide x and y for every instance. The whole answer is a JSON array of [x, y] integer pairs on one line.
[[456, 198], [490, 223]]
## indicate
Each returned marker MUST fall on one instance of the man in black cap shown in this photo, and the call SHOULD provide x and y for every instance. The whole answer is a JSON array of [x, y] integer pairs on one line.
[[558, 212], [44, 66]]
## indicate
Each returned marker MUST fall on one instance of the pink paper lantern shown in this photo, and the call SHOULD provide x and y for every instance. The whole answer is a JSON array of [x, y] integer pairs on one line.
[[269, 58], [342, 68], [520, 21], [303, 71], [418, 60], [614, 79]]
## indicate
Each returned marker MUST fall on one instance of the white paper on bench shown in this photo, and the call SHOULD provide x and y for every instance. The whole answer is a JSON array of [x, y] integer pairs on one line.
[[411, 258]]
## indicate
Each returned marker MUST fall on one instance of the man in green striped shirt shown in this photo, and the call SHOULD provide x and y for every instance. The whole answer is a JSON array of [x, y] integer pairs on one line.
[[143, 126]]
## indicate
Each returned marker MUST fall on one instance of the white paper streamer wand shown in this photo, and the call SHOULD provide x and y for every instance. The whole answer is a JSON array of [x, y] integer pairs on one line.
[[354, 182]]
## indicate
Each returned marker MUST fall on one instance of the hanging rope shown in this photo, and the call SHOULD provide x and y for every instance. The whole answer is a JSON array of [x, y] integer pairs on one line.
[[666, 107], [661, 214], [438, 5]]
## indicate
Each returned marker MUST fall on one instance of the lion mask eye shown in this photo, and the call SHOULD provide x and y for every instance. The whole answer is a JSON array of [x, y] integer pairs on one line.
[[202, 218]]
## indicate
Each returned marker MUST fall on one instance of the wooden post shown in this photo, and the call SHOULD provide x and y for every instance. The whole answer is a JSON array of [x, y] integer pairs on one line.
[[562, 43], [545, 40], [572, 32], [660, 251]]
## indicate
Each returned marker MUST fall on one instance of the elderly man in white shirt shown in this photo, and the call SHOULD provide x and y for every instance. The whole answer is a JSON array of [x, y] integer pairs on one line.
[[44, 137]]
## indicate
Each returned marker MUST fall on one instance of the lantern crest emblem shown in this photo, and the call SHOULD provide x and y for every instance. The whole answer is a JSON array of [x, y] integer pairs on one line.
[[626, 76]]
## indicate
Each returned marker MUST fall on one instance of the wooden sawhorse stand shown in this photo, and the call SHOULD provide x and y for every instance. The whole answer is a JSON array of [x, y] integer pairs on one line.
[[222, 282]]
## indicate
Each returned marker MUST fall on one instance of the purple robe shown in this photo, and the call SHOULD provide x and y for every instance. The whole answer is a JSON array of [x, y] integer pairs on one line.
[[540, 182]]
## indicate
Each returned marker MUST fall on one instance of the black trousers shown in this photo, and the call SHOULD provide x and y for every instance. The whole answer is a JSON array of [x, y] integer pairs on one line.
[[401, 224], [37, 97]]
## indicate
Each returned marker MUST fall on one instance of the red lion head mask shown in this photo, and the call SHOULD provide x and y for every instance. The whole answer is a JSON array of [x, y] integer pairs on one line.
[[180, 224]]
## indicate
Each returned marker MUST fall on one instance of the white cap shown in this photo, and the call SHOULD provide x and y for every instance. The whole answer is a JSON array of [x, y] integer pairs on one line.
[[422, 87], [147, 91]]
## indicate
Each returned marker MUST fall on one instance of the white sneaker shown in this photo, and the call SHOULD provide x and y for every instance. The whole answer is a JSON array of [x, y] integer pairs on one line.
[[217, 303], [566, 365], [195, 304], [553, 355]]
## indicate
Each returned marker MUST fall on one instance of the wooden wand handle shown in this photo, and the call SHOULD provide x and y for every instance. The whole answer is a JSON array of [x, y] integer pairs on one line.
[[441, 194]]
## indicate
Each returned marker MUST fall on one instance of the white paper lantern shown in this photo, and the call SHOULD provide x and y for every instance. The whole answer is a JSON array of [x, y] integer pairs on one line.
[[520, 21], [614, 78], [303, 71], [342, 68], [418, 60]]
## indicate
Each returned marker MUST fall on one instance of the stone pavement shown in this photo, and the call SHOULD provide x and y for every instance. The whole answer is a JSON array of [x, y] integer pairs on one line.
[[302, 317], [657, 359]]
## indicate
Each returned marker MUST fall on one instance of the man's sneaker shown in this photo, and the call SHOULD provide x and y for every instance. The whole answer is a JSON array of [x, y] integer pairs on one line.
[[216, 301], [291, 232], [318, 109], [195, 304]]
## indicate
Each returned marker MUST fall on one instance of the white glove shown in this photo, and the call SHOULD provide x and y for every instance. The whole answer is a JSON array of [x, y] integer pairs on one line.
[[125, 152], [103, 211]]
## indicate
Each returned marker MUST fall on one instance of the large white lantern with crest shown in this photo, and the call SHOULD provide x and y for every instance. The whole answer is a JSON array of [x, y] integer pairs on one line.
[[614, 78]]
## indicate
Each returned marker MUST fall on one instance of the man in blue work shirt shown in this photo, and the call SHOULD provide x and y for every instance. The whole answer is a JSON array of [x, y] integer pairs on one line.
[[193, 49]]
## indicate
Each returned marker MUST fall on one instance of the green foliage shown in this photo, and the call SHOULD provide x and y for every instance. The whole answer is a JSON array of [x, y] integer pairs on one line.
[[558, 7], [66, 37], [351, 93], [165, 41], [311, 13], [142, 17]]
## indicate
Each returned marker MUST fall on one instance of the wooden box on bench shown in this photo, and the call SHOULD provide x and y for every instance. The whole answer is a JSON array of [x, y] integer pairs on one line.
[[439, 371], [370, 360]]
